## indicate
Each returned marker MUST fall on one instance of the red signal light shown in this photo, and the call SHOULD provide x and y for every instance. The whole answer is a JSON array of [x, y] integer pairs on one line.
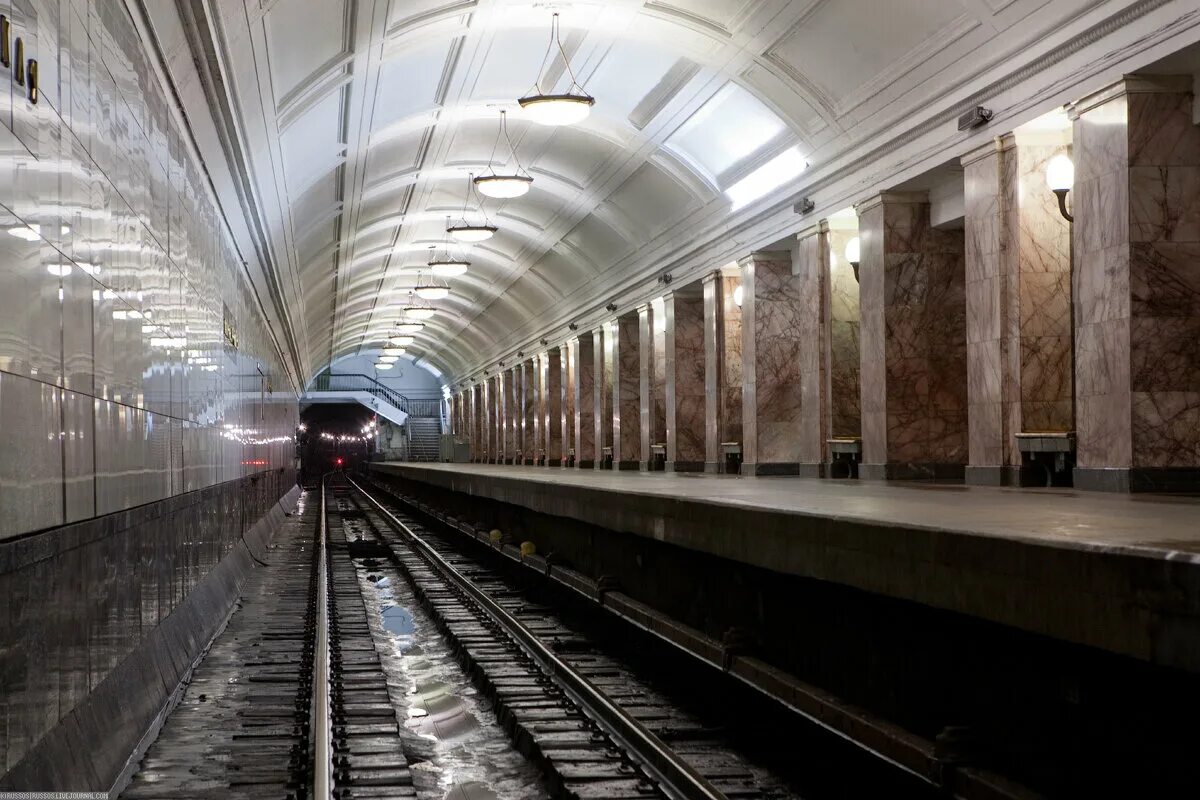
[[338, 461]]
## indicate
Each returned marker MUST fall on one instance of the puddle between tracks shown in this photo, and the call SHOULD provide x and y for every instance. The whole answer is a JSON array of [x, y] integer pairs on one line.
[[455, 747]]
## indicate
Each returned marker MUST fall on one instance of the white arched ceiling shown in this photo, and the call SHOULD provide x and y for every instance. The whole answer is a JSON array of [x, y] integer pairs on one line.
[[363, 118]]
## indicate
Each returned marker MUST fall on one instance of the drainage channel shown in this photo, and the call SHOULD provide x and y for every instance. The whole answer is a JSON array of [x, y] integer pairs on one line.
[[595, 729]]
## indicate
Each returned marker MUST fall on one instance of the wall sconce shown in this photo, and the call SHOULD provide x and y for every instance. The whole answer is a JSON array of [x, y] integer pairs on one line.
[[853, 253], [739, 294], [1060, 177]]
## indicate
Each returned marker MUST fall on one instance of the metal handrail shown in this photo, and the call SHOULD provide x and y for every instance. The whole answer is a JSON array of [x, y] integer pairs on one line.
[[356, 381], [666, 766], [322, 719]]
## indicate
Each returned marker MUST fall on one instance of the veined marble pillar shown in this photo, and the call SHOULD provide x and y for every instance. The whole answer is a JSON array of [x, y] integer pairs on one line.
[[503, 453], [583, 358], [812, 287], [604, 357], [686, 379], [515, 414], [844, 356], [1018, 290], [492, 391], [529, 420], [480, 448], [566, 361], [722, 364], [551, 410], [1137, 244], [770, 365], [626, 377], [648, 318], [914, 359]]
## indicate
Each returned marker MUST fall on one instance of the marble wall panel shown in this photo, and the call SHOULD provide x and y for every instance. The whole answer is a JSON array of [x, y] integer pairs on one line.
[[626, 380], [844, 356], [731, 359], [658, 388], [687, 382], [529, 420], [604, 356], [1137, 242], [586, 419], [495, 396], [566, 361], [648, 316], [812, 285], [553, 414], [771, 356], [914, 397]]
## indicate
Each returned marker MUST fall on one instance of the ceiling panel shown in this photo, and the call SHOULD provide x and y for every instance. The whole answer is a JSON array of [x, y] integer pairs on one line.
[[843, 44], [302, 36], [728, 129]]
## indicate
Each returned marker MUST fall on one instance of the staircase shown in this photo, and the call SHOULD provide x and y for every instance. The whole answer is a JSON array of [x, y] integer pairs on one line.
[[424, 438]]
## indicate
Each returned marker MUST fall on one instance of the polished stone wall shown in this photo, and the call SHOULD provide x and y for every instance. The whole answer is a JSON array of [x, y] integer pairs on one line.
[[1136, 240], [504, 410], [723, 363], [771, 381], [530, 432], [647, 319], [117, 385], [103, 617], [583, 356], [812, 286], [1018, 290], [551, 414], [495, 396], [566, 361], [626, 380], [686, 381], [845, 357], [914, 365], [604, 354]]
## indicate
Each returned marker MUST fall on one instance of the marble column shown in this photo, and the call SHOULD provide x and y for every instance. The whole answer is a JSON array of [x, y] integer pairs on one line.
[[584, 361], [626, 377], [914, 355], [603, 355], [566, 361], [844, 356], [529, 419], [770, 365], [648, 317], [722, 364], [686, 378], [812, 287], [515, 402], [1018, 291], [480, 450], [1136, 236], [492, 393], [551, 411]]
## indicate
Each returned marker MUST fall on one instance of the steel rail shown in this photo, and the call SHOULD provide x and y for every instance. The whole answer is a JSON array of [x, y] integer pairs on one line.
[[322, 723], [675, 775]]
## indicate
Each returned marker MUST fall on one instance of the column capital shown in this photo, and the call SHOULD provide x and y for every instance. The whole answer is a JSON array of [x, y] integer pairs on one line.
[[1130, 84], [818, 227], [989, 148], [891, 198], [765, 255]]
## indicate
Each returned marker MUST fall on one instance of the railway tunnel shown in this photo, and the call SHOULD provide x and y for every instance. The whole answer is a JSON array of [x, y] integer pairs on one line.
[[673, 399]]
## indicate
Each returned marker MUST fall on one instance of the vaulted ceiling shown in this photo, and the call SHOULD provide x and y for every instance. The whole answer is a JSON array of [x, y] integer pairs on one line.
[[361, 120]]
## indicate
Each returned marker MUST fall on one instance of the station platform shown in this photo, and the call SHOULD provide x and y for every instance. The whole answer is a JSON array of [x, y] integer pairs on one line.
[[1119, 573]]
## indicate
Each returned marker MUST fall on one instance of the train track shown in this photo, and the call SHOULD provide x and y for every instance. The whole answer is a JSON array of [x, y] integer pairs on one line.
[[592, 726]]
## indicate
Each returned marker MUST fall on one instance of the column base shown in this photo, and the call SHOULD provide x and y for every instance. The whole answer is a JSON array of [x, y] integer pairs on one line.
[[1138, 479], [712, 467], [1004, 476], [771, 468], [628, 465], [911, 472], [813, 470], [687, 466]]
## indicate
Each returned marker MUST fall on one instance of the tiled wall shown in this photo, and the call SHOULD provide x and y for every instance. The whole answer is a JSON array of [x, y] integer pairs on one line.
[[117, 282]]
